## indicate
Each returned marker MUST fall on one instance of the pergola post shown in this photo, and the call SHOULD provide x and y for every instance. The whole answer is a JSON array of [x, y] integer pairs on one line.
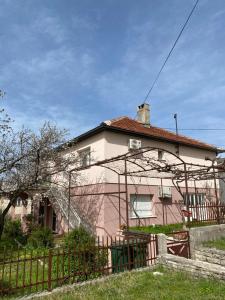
[[69, 200], [119, 201], [126, 193], [217, 198], [186, 191]]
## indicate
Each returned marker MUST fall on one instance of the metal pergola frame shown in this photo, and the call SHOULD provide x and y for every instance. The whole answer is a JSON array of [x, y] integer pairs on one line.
[[140, 163]]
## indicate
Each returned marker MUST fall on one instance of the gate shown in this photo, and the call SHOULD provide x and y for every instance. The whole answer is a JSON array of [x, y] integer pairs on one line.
[[178, 243]]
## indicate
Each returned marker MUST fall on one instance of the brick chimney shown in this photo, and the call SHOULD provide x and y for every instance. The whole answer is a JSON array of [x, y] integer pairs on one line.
[[143, 114]]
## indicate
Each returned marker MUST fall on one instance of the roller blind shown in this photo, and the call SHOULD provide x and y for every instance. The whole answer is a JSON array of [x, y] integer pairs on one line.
[[141, 206]]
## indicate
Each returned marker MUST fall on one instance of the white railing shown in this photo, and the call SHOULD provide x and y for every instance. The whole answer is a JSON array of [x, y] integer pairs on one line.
[[61, 201]]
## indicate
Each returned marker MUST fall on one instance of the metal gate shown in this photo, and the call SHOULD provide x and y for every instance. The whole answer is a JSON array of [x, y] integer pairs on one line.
[[178, 243]]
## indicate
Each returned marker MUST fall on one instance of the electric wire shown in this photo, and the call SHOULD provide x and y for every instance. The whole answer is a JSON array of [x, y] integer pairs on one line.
[[197, 129], [171, 50]]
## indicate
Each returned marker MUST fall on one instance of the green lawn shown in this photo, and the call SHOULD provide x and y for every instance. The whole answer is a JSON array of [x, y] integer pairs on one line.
[[169, 227], [218, 244], [144, 285], [159, 228]]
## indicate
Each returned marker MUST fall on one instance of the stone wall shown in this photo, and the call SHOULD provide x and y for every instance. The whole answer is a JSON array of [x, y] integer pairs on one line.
[[210, 255], [198, 235], [195, 267]]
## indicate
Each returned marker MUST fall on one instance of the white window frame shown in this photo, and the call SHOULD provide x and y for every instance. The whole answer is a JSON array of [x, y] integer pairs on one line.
[[139, 203], [85, 157]]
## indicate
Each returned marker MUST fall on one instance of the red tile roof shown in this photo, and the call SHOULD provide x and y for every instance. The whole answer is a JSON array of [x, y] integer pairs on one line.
[[135, 127]]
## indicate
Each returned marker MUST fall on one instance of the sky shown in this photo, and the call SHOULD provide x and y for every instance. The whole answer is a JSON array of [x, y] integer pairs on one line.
[[77, 63]]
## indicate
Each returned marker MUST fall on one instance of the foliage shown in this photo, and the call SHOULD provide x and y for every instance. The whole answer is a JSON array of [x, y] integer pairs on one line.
[[169, 227], [5, 288], [79, 237], [80, 256], [30, 161], [159, 228], [30, 224], [41, 237], [13, 235]]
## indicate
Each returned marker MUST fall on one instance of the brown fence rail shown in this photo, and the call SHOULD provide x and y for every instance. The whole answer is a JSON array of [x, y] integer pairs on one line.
[[27, 271], [207, 212]]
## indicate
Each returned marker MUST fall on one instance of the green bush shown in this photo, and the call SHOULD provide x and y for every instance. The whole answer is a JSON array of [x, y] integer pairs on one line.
[[79, 237], [41, 237], [29, 221], [12, 235], [80, 258], [5, 288]]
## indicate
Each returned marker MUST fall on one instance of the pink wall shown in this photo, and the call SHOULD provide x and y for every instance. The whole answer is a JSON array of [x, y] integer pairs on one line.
[[104, 211]]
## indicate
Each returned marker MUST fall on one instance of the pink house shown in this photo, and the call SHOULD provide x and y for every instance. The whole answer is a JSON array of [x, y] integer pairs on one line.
[[99, 201]]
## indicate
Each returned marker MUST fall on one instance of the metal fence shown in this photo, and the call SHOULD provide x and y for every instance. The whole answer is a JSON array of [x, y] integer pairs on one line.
[[207, 212], [28, 271]]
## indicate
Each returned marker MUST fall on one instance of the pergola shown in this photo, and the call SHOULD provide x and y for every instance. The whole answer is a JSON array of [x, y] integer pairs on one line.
[[145, 163]]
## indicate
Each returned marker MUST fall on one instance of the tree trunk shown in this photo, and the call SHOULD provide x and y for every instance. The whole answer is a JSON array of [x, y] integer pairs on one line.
[[2, 222], [4, 213]]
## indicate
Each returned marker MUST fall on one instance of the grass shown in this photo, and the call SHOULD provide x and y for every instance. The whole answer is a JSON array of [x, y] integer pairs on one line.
[[218, 244], [159, 228], [144, 285], [169, 227]]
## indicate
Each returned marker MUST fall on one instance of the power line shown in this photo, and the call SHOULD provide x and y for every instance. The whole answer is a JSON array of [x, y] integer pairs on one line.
[[198, 129], [171, 50]]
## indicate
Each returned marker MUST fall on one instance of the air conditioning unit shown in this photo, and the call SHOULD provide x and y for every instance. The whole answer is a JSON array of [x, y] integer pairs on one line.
[[165, 192], [134, 144]]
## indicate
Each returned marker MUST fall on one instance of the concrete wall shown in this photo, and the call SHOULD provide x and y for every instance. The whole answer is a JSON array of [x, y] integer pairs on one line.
[[195, 268], [210, 255], [199, 235]]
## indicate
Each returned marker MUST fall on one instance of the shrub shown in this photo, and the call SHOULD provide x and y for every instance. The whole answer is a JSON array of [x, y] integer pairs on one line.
[[29, 221], [41, 237], [5, 288], [12, 235], [79, 237], [80, 256]]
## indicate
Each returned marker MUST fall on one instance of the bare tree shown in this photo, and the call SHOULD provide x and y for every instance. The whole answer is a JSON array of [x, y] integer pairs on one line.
[[31, 161], [4, 118]]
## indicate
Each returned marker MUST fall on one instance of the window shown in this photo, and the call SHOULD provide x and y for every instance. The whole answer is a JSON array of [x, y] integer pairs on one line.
[[85, 157], [19, 202], [194, 199], [141, 206]]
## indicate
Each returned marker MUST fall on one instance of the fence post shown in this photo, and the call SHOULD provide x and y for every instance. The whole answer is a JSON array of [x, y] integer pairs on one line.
[[50, 270], [162, 244]]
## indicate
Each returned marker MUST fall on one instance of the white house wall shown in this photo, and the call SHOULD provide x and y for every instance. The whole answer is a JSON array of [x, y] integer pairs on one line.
[[97, 146], [117, 144]]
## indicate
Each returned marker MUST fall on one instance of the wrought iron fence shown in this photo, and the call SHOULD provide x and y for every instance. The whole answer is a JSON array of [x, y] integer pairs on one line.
[[207, 212], [27, 271]]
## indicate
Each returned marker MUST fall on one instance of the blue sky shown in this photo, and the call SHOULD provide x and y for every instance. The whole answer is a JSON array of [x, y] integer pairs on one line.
[[79, 62]]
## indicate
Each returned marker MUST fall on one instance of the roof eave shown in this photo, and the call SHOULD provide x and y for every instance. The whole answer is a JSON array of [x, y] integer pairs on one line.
[[112, 128], [103, 126], [83, 136]]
